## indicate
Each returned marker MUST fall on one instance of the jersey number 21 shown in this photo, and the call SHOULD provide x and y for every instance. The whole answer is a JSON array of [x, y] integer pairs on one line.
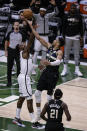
[[54, 113]]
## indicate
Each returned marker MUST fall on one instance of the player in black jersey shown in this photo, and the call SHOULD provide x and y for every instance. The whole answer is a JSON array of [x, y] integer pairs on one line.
[[50, 74], [54, 109]]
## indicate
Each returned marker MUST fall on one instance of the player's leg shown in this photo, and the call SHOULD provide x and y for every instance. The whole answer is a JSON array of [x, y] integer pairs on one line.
[[38, 103], [17, 119], [51, 82], [41, 85], [19, 106], [67, 48], [35, 123], [76, 44], [21, 82]]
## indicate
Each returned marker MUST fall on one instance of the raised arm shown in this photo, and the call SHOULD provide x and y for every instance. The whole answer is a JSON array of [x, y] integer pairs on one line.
[[31, 40], [42, 41], [54, 63]]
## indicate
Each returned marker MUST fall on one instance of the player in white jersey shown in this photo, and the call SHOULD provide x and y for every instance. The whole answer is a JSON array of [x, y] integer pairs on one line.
[[25, 89]]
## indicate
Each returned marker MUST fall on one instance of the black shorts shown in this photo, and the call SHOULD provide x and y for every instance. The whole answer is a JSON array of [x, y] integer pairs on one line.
[[53, 126], [47, 81]]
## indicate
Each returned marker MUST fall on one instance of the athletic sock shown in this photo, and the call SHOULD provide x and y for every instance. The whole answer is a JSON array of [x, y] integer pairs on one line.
[[18, 110], [32, 116], [38, 113]]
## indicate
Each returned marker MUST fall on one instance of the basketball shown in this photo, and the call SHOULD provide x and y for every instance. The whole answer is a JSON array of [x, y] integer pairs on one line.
[[28, 14]]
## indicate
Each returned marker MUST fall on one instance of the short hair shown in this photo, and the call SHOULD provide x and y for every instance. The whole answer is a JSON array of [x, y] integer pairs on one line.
[[61, 40], [15, 22], [58, 94]]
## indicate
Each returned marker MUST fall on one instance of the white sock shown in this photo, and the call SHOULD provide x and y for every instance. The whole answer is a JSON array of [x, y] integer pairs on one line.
[[37, 118], [32, 116], [18, 110], [38, 111]]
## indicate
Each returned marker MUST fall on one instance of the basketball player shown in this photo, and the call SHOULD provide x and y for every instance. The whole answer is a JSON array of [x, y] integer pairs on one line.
[[50, 75], [54, 109], [25, 89]]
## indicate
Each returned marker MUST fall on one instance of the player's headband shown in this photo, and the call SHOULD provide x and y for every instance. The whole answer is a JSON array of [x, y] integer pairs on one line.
[[42, 9]]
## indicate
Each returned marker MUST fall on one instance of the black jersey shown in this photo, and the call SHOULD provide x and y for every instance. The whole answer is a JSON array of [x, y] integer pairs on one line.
[[51, 56], [55, 111]]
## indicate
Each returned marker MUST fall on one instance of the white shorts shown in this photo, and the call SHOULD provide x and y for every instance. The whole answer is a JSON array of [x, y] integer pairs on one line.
[[38, 46], [25, 89]]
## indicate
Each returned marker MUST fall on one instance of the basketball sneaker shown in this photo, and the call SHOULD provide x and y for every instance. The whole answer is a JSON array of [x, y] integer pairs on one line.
[[65, 71], [77, 71], [18, 122], [38, 125]]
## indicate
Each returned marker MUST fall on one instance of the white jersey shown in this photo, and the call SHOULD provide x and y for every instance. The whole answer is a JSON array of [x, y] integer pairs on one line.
[[24, 80], [26, 65]]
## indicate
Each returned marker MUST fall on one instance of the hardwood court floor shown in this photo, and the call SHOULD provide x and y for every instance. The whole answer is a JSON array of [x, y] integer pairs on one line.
[[75, 95]]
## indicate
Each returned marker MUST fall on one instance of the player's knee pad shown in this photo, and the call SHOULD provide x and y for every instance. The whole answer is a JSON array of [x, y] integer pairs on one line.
[[49, 97], [38, 96]]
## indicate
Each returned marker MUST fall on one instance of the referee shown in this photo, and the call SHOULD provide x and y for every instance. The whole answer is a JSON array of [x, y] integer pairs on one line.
[[13, 39]]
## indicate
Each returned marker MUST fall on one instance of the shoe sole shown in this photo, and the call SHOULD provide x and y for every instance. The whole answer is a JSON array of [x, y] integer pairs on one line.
[[38, 127], [78, 75], [64, 75], [16, 123], [13, 73]]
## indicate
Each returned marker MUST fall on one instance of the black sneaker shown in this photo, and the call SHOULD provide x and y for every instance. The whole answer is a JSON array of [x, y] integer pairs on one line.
[[38, 125], [18, 122]]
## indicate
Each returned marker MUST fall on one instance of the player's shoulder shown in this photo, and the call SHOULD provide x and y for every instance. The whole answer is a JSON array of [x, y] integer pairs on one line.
[[64, 105]]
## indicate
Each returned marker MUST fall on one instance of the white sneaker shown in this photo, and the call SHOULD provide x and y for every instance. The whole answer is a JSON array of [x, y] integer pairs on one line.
[[18, 122], [78, 73], [64, 72], [13, 72]]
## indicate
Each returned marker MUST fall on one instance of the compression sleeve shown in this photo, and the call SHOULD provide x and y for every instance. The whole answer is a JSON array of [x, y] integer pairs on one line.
[[55, 63]]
